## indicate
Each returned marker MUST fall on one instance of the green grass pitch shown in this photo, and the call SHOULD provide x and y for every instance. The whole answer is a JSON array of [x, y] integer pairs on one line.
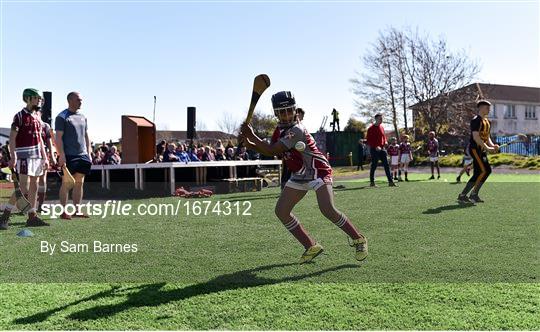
[[433, 264]]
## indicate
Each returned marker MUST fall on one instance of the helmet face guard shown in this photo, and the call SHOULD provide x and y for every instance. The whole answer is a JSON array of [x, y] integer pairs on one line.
[[286, 115], [284, 106]]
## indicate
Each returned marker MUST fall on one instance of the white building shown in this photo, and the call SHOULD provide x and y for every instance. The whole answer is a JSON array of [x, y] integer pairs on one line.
[[515, 109]]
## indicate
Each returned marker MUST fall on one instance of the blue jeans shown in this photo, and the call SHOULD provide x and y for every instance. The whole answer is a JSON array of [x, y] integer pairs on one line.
[[375, 157]]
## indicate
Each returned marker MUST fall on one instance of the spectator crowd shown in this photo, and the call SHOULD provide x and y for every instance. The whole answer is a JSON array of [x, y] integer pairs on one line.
[[106, 155], [187, 152], [109, 154]]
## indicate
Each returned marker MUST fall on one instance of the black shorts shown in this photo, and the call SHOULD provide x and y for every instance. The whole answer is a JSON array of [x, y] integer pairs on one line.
[[79, 164], [481, 166]]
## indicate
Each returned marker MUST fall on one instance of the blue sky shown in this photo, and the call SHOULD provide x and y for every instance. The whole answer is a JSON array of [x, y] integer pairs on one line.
[[120, 54]]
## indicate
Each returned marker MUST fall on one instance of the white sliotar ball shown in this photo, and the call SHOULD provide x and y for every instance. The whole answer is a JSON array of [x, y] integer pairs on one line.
[[300, 146]]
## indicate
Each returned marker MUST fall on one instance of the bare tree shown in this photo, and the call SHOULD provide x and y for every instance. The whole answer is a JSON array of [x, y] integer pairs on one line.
[[375, 85], [228, 123], [434, 72], [401, 58], [403, 68]]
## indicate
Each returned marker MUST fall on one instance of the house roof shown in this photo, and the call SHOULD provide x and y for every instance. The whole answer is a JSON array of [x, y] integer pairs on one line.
[[496, 92], [510, 93]]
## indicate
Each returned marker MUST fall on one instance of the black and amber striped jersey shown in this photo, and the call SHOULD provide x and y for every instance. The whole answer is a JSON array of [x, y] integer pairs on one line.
[[483, 127]]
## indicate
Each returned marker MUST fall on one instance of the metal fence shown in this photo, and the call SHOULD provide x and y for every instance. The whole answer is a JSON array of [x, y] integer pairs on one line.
[[532, 148]]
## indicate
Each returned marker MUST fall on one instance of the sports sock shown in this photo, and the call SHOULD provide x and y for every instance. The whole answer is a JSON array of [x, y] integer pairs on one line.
[[467, 188], [7, 210], [41, 195], [298, 231], [346, 225]]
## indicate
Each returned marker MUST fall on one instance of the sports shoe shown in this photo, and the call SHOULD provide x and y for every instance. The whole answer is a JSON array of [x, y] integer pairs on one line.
[[464, 199], [458, 179], [475, 198], [432, 178], [35, 221], [438, 177], [406, 178], [311, 252], [4, 222], [392, 184], [372, 184], [65, 216], [361, 248], [400, 179]]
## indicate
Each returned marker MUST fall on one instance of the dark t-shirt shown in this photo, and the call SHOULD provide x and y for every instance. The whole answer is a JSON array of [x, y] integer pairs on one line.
[[483, 127], [74, 127]]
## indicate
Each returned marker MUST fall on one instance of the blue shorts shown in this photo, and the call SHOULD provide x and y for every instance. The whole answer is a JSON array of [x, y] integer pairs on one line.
[[79, 164]]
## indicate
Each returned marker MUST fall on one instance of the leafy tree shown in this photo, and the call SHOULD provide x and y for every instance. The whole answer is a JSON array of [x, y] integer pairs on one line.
[[356, 126]]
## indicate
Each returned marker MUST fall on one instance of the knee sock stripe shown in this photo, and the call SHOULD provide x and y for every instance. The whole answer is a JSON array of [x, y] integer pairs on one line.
[[342, 220], [346, 226], [287, 225], [292, 224]]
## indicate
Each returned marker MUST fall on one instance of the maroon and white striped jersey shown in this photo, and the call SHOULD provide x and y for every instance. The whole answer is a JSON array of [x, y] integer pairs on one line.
[[405, 148], [306, 165], [393, 150], [433, 147], [28, 126]]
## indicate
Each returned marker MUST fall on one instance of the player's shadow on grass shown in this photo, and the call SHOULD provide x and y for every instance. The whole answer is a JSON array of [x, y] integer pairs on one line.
[[249, 198], [455, 206], [43, 316], [246, 199], [338, 189], [18, 223], [153, 295]]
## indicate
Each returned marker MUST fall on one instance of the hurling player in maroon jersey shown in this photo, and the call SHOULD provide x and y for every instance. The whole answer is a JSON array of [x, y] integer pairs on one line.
[[433, 149], [309, 170], [28, 157], [405, 155], [393, 153]]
